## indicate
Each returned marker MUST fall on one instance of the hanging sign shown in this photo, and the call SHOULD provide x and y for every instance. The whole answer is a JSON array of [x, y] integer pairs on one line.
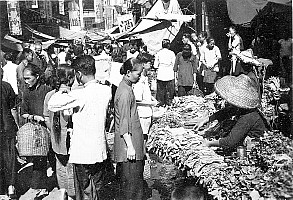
[[125, 22], [61, 7], [74, 20], [74, 16], [14, 17]]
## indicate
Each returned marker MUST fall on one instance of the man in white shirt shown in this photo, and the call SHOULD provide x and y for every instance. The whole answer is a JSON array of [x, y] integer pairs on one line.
[[88, 141], [202, 38], [210, 59], [164, 63], [9, 72], [62, 55], [235, 45]]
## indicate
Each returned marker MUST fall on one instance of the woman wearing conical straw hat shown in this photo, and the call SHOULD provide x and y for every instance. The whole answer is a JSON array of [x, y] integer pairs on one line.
[[243, 101]]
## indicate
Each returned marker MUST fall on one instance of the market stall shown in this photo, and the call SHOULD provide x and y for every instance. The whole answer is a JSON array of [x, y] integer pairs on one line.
[[263, 171]]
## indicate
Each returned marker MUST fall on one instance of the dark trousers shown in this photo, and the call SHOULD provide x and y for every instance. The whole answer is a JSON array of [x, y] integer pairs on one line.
[[165, 91], [209, 88], [199, 80], [88, 181], [7, 163], [39, 177], [130, 175], [184, 90], [287, 65]]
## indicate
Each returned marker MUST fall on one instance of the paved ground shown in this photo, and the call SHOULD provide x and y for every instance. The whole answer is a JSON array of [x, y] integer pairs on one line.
[[158, 183]]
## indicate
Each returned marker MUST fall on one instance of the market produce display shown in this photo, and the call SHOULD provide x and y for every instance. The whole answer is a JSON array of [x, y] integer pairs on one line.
[[265, 173]]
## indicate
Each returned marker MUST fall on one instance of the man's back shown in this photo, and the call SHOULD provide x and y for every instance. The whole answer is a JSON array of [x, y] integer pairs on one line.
[[88, 143]]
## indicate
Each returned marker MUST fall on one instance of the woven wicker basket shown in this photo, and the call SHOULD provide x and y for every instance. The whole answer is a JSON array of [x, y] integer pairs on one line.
[[33, 140]]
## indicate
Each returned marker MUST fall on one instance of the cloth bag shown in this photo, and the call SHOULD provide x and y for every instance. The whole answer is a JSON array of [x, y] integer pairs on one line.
[[209, 76], [33, 140]]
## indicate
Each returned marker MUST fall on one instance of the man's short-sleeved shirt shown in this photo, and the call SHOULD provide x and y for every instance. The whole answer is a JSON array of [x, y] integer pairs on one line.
[[10, 76], [164, 62], [88, 141]]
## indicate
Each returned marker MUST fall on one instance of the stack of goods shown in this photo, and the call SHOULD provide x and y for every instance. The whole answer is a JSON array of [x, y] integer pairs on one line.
[[267, 172], [276, 103], [270, 96], [184, 110], [190, 108], [184, 148], [274, 155]]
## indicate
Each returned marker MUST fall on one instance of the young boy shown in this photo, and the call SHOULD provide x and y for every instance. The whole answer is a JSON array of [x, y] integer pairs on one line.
[[188, 190]]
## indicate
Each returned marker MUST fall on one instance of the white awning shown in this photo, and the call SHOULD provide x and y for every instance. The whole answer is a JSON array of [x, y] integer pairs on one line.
[[172, 17], [39, 33]]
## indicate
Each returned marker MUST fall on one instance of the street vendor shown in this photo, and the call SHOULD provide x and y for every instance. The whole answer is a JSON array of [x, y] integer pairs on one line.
[[243, 102]]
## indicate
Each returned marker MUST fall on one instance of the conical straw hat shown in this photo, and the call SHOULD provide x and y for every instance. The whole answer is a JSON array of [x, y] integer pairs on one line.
[[238, 91]]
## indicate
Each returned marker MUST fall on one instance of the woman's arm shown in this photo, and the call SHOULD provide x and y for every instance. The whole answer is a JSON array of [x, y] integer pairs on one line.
[[130, 149], [239, 131], [124, 103]]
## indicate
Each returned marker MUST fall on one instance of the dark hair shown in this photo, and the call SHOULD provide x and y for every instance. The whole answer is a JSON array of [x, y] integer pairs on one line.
[[78, 50], [145, 57], [166, 43], [187, 188], [85, 64], [187, 35], [98, 46], [233, 27], [35, 71], [204, 34], [27, 51], [186, 52], [185, 46], [64, 73], [110, 47], [210, 39], [129, 65], [117, 54], [22, 56], [9, 56], [38, 43]]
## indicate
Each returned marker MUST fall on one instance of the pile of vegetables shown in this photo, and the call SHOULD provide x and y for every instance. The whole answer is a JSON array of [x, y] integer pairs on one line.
[[184, 110], [265, 174]]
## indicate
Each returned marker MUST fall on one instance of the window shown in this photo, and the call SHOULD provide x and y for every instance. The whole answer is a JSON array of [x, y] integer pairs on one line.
[[88, 4], [88, 21]]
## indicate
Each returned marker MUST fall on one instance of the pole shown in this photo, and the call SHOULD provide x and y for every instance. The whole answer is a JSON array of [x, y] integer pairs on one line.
[[194, 6], [1, 108], [203, 16], [2, 179]]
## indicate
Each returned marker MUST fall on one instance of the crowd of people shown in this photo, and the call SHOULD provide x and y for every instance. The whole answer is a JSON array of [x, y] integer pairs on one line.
[[60, 89]]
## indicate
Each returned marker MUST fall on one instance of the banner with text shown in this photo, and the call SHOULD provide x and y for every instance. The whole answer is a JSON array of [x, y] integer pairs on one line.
[[61, 7], [125, 22], [14, 17]]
